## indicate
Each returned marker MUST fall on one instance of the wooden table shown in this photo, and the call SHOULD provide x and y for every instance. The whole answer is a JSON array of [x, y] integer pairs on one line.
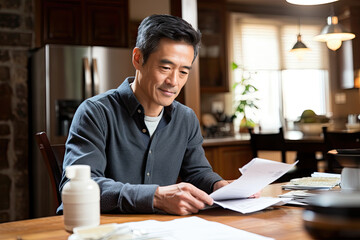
[[283, 222]]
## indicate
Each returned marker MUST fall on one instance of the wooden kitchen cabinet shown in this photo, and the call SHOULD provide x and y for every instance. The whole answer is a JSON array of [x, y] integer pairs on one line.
[[61, 22], [347, 56], [82, 22], [212, 55], [226, 160]]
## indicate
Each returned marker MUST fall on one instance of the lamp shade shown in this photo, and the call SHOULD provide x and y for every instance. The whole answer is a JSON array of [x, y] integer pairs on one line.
[[334, 33], [299, 45], [310, 2], [299, 49]]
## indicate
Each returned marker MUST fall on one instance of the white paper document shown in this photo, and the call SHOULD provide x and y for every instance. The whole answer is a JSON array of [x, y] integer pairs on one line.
[[193, 228], [249, 205], [256, 175], [188, 228]]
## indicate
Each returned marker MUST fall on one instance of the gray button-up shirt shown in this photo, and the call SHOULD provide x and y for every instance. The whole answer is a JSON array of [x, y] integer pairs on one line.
[[108, 133]]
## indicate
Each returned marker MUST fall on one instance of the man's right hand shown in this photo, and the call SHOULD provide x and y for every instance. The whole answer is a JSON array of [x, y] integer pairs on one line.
[[181, 199]]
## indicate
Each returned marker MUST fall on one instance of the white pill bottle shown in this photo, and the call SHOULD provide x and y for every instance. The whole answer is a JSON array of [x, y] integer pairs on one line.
[[81, 198]]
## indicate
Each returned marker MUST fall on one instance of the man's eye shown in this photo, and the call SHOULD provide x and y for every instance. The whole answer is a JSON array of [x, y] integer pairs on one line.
[[183, 72], [165, 68]]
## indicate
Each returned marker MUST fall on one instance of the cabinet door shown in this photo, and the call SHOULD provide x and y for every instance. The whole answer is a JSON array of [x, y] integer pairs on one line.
[[213, 67], [226, 160], [231, 158], [61, 22], [82, 22], [210, 153], [107, 25]]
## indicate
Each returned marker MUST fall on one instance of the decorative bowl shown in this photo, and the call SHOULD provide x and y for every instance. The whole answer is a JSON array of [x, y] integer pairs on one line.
[[353, 126], [311, 128]]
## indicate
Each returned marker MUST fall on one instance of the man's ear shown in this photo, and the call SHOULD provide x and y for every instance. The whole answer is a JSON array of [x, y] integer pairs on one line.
[[137, 58]]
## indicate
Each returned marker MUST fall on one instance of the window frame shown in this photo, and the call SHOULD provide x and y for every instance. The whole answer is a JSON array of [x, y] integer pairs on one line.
[[281, 21]]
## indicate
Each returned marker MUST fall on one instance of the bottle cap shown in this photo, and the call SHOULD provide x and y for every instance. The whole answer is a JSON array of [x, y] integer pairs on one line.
[[77, 172]]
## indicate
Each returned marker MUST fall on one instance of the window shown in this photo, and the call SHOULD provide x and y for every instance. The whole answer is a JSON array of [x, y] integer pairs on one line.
[[287, 84]]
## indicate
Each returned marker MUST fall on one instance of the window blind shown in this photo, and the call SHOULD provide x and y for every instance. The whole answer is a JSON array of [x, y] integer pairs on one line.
[[262, 45], [266, 44], [311, 59], [258, 46]]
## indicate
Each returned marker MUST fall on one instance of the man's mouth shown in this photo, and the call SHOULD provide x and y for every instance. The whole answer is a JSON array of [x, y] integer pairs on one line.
[[168, 92]]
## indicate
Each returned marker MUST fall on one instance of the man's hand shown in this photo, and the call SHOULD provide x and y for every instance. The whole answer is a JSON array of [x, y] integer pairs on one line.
[[220, 184], [181, 199], [256, 195]]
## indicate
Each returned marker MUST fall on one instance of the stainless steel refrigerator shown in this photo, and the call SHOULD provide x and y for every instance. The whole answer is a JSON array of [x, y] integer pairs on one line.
[[61, 77]]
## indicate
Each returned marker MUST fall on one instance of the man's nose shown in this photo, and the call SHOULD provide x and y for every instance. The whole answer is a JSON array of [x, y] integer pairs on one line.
[[172, 78]]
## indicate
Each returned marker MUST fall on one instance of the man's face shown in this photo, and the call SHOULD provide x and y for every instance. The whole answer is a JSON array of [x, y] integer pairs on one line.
[[163, 75]]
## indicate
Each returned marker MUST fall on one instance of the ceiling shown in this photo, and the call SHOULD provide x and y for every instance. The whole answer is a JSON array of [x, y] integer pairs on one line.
[[260, 2], [284, 3], [284, 8]]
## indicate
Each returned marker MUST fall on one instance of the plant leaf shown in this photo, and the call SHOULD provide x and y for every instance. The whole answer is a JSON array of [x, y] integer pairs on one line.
[[234, 66]]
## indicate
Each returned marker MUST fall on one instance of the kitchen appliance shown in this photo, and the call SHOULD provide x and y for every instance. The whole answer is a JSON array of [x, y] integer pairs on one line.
[[61, 77]]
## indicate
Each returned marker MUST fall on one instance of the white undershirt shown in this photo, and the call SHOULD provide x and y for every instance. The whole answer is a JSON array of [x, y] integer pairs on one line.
[[152, 122]]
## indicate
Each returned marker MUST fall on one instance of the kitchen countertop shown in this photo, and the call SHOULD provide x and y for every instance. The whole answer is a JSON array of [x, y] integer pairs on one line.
[[243, 138]]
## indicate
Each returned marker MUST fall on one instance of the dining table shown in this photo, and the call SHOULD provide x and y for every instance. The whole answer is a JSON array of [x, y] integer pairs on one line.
[[277, 222]]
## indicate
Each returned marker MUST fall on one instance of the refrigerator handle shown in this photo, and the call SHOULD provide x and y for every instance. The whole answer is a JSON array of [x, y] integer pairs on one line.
[[87, 78], [96, 77]]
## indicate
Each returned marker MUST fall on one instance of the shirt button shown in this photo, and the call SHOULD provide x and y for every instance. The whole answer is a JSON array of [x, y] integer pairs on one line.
[[139, 110], [144, 130], [150, 151], [148, 174]]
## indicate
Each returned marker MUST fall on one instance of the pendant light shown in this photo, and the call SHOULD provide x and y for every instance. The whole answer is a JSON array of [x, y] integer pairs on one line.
[[334, 33], [299, 48], [310, 2]]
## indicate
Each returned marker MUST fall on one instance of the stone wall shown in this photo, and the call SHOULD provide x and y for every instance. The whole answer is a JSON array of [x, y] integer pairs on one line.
[[16, 38]]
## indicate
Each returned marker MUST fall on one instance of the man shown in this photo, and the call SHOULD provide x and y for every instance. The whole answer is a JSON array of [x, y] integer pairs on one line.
[[137, 139]]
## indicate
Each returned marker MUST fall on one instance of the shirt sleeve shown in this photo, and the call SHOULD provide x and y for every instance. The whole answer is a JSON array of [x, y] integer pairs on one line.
[[86, 144], [196, 169]]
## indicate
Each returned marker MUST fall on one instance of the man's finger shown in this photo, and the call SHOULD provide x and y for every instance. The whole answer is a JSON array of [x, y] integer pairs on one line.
[[198, 194]]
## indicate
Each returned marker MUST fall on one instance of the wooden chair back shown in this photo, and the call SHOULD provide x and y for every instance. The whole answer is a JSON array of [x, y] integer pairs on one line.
[[53, 156], [268, 142], [339, 140]]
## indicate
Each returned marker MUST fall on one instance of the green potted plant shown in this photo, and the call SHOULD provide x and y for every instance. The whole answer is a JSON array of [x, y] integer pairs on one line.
[[245, 101]]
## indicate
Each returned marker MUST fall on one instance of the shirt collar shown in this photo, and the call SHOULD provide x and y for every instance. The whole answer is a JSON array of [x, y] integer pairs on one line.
[[131, 102]]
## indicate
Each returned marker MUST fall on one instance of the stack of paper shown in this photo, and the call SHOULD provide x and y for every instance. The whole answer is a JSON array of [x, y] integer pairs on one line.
[[317, 180], [257, 174], [298, 197]]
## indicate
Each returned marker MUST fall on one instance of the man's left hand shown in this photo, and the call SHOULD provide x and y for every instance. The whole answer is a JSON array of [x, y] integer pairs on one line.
[[221, 184]]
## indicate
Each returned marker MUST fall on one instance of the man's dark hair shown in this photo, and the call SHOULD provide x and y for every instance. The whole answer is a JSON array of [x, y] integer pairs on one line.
[[155, 27]]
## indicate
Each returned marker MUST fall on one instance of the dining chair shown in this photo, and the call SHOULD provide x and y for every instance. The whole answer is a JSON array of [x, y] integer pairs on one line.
[[335, 139], [261, 141], [53, 155], [266, 141]]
